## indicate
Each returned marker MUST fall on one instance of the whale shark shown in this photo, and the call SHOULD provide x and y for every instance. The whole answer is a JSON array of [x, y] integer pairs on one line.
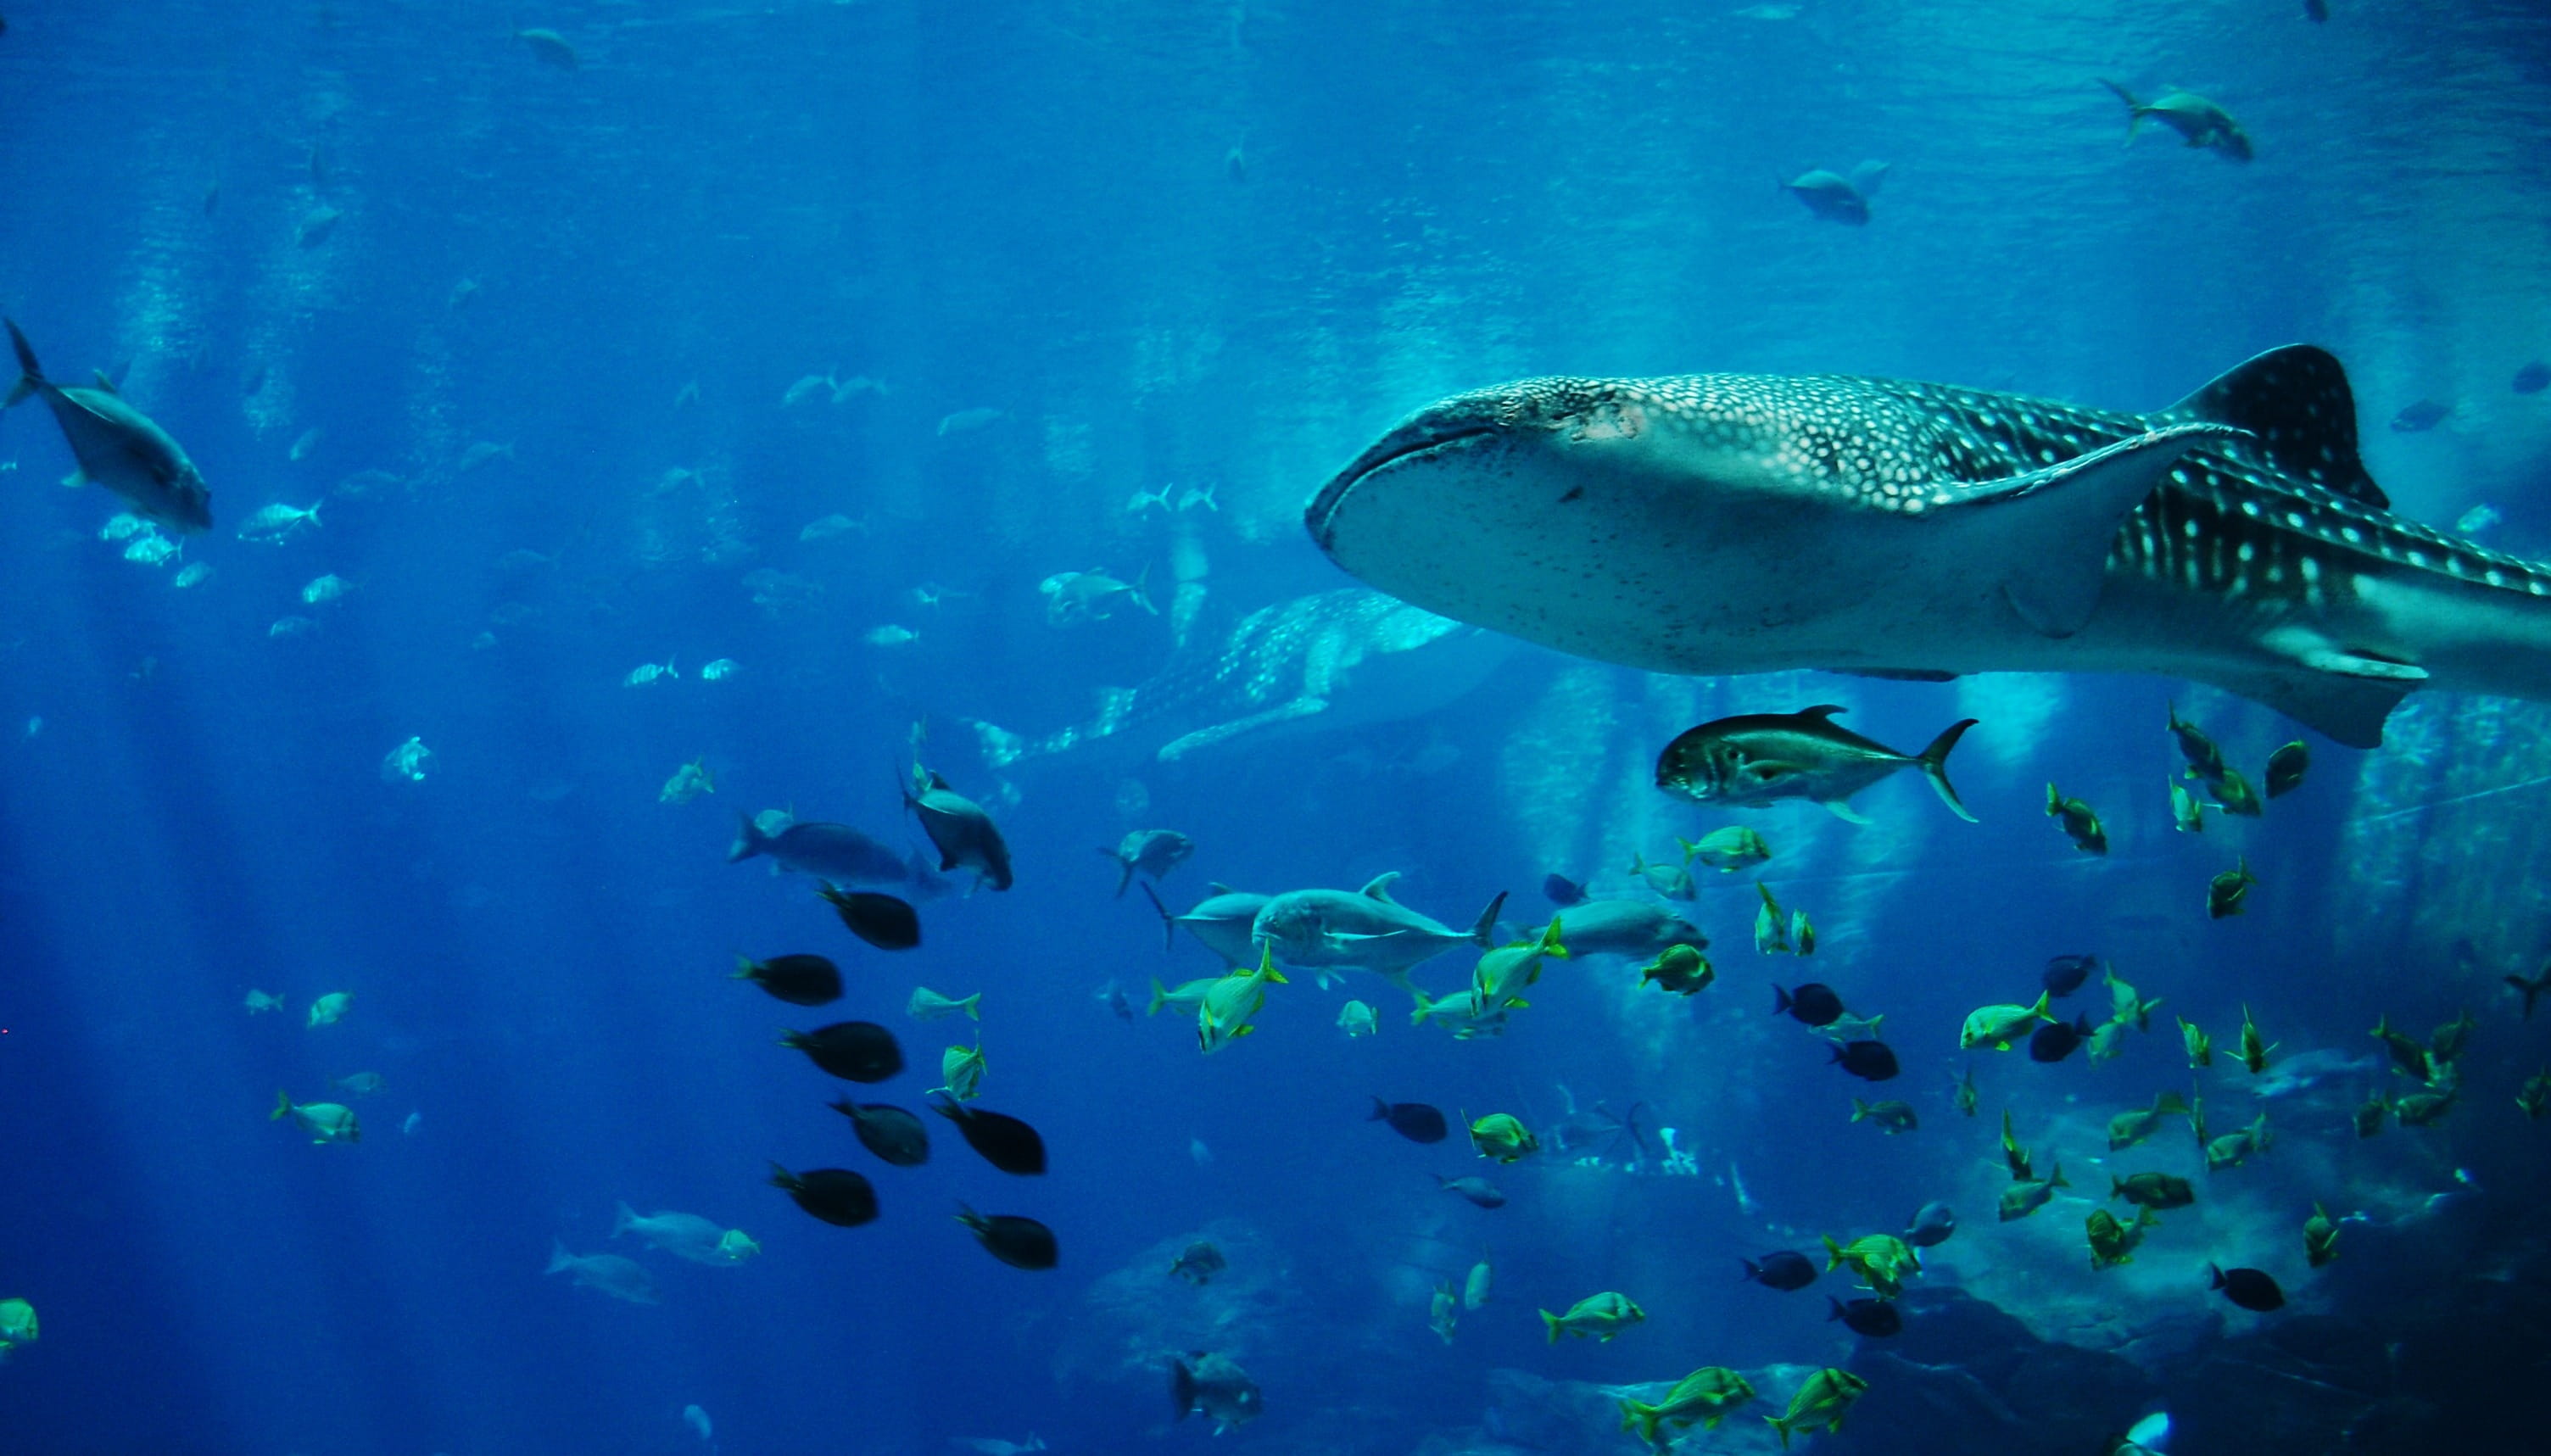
[[1746, 523], [1341, 658]]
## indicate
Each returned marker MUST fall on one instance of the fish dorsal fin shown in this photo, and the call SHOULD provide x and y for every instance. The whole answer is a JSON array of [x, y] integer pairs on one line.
[[938, 782], [1379, 888], [2296, 402], [2051, 528], [1821, 713], [106, 381], [1218, 887]]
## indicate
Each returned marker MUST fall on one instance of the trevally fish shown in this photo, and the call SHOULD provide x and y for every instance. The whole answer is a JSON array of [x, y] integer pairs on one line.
[[1759, 758], [119, 447], [1735, 523], [1365, 930], [831, 851]]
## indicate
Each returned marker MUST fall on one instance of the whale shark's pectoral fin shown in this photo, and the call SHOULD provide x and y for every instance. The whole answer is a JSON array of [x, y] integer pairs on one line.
[[2055, 524], [1284, 712], [2345, 694]]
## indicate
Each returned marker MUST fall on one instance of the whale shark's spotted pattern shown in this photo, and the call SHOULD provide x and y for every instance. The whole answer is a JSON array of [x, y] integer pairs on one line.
[[1671, 523]]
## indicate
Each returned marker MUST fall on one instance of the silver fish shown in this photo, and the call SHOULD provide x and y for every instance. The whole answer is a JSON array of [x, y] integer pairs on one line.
[[119, 447]]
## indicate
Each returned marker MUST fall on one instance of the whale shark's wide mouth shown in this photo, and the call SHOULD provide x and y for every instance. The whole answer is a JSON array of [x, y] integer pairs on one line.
[[1425, 435]]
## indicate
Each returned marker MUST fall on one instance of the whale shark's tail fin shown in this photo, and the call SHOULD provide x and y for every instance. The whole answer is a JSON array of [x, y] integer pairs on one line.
[[1934, 763]]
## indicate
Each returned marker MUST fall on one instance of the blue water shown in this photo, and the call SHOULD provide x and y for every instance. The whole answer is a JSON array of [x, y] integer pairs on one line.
[[1148, 246]]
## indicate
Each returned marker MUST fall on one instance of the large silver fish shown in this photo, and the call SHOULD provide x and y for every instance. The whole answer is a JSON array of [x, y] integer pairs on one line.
[[1735, 523], [119, 447]]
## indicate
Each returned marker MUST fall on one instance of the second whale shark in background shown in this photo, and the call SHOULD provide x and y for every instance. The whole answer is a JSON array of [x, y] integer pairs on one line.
[[1334, 659], [1738, 523]]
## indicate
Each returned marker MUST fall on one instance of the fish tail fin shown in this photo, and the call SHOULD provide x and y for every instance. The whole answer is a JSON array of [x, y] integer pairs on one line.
[[974, 1005], [1183, 1387], [560, 1258], [282, 1106], [1780, 1424], [1160, 996], [1934, 763], [1124, 869], [749, 839], [1641, 1418], [1552, 1322], [2134, 108], [1169, 927], [622, 1217], [1484, 931], [30, 374]]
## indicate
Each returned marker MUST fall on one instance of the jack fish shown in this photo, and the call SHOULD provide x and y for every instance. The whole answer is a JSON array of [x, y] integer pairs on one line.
[[1740, 523], [1363, 929], [119, 447]]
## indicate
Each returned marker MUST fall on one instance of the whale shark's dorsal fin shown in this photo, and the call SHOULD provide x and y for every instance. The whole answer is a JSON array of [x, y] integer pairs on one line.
[[2054, 541], [2295, 400], [1379, 888]]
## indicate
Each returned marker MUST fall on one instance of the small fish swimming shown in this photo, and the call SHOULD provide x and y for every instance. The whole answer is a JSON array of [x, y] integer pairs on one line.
[[1151, 852], [1198, 1263], [2229, 893], [926, 1005], [1820, 1404], [1837, 198], [1230, 1007], [1444, 1312], [1477, 1191], [1075, 597], [258, 1000], [1673, 882], [961, 1072], [719, 670], [688, 782], [2079, 821], [1215, 1385], [684, 1236], [2420, 417], [1756, 760], [964, 834], [277, 523], [2199, 122], [2532, 378], [609, 1274], [1601, 1315], [548, 47], [648, 674], [326, 1123], [331, 1009], [1734, 848]]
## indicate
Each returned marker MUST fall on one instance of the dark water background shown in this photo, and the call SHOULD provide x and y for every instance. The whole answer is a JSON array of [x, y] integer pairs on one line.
[[1172, 245]]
